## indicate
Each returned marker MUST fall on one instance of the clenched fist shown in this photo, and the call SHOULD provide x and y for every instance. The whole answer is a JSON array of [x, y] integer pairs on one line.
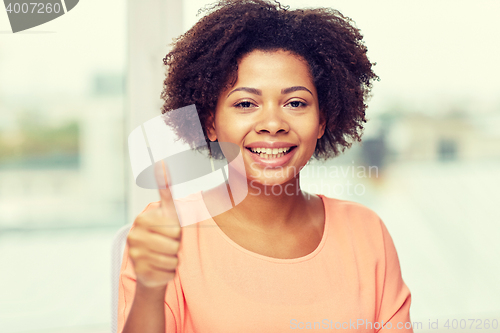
[[155, 239]]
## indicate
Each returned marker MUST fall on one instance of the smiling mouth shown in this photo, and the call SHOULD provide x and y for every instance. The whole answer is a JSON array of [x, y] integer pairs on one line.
[[271, 153]]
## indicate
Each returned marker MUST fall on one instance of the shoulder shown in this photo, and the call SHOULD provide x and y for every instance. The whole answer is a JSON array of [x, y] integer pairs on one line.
[[354, 213], [357, 232], [356, 222]]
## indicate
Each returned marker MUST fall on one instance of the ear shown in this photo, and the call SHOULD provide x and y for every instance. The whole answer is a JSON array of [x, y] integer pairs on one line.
[[322, 124], [210, 128]]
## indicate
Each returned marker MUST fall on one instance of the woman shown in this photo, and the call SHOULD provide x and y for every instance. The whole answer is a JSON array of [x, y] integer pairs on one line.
[[284, 86]]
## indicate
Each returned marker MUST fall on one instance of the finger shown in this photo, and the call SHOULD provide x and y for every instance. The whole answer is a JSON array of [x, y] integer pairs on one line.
[[164, 263], [154, 241], [166, 199], [161, 177], [160, 261], [156, 221]]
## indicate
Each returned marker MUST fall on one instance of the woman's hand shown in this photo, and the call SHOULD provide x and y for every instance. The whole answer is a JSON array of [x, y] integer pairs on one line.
[[155, 239]]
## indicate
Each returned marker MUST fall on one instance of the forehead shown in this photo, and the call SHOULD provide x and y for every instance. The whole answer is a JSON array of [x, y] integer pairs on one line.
[[267, 68], [270, 69]]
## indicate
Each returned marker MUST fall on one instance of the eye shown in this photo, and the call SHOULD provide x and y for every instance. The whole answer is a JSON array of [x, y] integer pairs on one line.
[[297, 104], [244, 105]]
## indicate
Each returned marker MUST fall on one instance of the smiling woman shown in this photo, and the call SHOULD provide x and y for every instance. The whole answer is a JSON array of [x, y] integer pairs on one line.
[[272, 107], [283, 86], [204, 62]]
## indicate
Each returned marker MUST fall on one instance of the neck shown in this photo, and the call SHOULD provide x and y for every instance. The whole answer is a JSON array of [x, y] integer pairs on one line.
[[268, 206]]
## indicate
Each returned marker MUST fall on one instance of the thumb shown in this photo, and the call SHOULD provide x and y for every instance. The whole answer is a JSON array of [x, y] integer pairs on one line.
[[166, 200]]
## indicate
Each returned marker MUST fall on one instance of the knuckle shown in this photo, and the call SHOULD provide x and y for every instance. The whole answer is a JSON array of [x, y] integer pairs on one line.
[[175, 247], [174, 262], [132, 238], [170, 262], [147, 217], [176, 231], [139, 220], [134, 253]]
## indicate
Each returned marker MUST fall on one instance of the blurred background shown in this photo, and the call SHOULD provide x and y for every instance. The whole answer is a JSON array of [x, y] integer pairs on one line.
[[72, 89]]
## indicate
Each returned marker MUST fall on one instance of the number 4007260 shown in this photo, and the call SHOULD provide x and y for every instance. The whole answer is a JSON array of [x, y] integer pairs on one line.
[[33, 7]]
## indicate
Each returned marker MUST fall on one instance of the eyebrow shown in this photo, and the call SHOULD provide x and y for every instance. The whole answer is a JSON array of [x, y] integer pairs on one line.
[[292, 89], [259, 92], [250, 90]]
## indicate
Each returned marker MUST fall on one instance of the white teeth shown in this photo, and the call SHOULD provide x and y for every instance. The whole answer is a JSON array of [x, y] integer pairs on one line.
[[270, 151], [269, 157]]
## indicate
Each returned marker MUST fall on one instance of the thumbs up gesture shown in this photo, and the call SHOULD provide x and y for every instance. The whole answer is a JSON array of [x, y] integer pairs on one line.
[[154, 241]]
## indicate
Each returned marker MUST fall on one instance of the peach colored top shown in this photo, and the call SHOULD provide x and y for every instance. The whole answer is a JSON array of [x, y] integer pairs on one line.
[[351, 281]]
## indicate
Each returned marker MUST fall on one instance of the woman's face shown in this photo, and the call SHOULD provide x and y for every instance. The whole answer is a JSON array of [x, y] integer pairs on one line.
[[272, 114]]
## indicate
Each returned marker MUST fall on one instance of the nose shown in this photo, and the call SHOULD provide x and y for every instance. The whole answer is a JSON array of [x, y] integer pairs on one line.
[[272, 120]]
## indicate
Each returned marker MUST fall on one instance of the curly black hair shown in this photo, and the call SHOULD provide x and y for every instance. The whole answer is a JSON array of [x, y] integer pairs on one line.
[[204, 62]]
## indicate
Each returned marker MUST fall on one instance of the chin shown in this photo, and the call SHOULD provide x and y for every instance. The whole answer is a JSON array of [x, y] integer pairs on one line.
[[273, 187], [260, 181]]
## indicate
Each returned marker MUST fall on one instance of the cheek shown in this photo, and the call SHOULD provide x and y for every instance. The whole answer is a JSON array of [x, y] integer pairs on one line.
[[231, 128], [221, 128], [309, 129]]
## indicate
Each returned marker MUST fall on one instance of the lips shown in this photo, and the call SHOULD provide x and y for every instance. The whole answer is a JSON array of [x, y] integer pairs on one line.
[[264, 144]]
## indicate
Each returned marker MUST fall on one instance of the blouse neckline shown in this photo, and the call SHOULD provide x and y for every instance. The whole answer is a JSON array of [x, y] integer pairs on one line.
[[235, 245]]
